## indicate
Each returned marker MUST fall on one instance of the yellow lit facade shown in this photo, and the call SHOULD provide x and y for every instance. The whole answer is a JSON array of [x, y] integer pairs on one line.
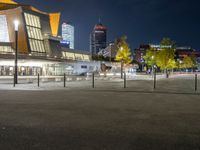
[[8, 1], [54, 22]]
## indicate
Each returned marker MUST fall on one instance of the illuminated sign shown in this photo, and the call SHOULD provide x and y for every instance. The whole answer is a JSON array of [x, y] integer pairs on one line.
[[65, 44], [99, 31]]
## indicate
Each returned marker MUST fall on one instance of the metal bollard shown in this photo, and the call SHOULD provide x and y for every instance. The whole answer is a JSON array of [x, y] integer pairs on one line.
[[121, 69], [93, 80], [124, 80], [196, 80], [64, 80], [14, 80], [38, 80], [154, 83]]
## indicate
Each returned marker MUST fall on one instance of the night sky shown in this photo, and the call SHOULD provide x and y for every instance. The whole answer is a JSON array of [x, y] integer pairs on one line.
[[143, 21]]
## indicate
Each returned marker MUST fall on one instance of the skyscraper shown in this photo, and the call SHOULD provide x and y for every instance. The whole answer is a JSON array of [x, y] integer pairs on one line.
[[98, 38], [68, 34]]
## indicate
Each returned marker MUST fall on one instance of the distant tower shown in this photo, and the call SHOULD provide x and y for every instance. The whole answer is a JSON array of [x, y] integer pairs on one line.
[[98, 38], [68, 34]]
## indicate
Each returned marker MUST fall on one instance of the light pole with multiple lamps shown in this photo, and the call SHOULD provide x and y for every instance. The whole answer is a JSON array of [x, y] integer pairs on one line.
[[16, 25]]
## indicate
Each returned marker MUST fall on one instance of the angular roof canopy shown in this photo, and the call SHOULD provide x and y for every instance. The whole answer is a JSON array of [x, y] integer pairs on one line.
[[54, 17], [8, 1]]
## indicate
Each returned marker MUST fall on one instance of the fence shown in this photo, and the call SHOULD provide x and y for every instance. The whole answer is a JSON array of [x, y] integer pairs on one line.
[[176, 83]]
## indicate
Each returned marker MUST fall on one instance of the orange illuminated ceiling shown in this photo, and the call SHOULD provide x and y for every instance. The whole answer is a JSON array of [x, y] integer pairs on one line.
[[54, 22], [8, 1]]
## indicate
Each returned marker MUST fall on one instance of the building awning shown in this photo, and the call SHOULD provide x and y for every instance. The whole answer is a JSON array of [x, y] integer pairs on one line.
[[8, 1]]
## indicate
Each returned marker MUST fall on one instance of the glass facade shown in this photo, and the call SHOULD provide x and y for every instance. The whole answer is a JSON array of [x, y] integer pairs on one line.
[[68, 34], [32, 20], [68, 55], [4, 37], [75, 56], [6, 49], [35, 37]]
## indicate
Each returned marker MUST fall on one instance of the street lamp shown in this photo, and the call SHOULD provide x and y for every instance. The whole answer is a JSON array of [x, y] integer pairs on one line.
[[152, 57], [16, 25], [180, 64]]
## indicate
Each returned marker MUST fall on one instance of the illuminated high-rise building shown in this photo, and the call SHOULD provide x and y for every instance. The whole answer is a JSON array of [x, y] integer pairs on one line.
[[98, 39], [68, 34]]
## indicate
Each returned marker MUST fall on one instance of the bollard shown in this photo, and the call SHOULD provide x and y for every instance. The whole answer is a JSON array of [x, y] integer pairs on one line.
[[64, 80], [93, 80], [14, 81], [124, 80], [196, 80], [154, 83], [38, 80]]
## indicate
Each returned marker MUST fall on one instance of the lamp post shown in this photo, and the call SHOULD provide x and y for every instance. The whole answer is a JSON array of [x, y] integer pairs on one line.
[[180, 65], [152, 57], [122, 69], [121, 49], [16, 24], [155, 70], [111, 54]]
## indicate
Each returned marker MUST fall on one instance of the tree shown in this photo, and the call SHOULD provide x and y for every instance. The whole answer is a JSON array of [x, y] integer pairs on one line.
[[166, 55], [188, 62], [150, 57], [165, 59], [123, 50], [167, 43]]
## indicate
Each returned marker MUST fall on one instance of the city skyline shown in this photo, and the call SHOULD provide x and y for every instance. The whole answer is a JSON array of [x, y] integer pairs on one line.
[[142, 21]]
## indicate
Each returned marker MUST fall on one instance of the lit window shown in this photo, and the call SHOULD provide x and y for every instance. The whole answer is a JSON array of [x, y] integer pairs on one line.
[[32, 20], [33, 27], [4, 37], [75, 56], [6, 49]]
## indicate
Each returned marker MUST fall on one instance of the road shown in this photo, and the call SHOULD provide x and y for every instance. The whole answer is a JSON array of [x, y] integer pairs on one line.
[[104, 118]]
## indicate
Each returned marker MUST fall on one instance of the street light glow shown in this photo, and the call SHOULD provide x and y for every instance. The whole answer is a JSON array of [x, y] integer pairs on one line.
[[16, 23]]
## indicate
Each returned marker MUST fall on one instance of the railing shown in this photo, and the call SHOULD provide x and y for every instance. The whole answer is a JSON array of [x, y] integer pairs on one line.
[[158, 82]]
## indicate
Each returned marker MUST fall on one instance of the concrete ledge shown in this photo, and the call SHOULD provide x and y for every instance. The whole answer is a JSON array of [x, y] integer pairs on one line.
[[88, 78], [58, 79], [69, 79], [79, 79], [44, 80], [30, 80]]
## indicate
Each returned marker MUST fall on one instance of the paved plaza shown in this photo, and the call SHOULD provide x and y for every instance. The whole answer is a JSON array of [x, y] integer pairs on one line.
[[107, 117]]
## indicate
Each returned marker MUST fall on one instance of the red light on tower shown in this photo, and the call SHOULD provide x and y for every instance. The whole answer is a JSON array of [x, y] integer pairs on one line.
[[100, 27]]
